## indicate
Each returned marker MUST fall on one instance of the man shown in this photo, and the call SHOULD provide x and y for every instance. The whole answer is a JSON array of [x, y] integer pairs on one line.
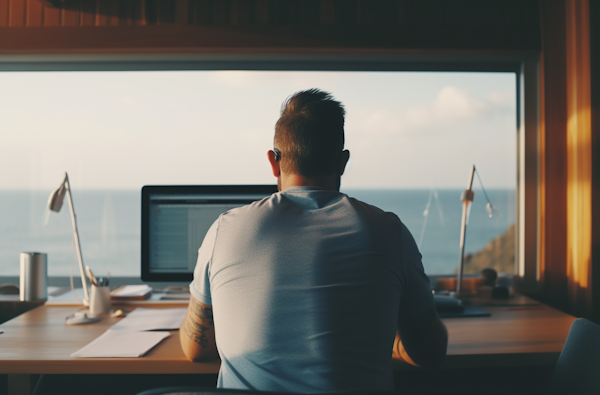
[[306, 290]]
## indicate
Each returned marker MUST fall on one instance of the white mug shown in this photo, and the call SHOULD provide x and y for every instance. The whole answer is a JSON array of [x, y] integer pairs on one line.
[[100, 300]]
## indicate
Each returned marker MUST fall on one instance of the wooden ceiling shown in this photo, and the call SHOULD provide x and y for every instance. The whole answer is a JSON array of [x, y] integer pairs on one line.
[[34, 26]]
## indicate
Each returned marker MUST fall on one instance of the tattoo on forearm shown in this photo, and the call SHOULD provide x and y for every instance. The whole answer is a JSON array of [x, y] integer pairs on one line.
[[204, 313], [194, 329]]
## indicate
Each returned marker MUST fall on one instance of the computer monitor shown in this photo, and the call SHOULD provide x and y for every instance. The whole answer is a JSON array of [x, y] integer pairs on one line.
[[175, 220]]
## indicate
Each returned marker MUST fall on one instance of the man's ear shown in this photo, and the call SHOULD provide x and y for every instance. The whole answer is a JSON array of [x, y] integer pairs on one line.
[[344, 158], [274, 164]]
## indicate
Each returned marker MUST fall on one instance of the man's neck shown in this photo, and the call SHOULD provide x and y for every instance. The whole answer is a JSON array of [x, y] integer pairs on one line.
[[297, 180]]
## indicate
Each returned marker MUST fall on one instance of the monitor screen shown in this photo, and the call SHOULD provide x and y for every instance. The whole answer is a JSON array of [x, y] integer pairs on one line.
[[175, 220]]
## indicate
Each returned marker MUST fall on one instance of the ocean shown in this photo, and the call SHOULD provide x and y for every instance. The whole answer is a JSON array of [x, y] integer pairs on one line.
[[109, 226]]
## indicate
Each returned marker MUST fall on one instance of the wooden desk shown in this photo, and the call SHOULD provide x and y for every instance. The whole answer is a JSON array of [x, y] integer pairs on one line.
[[523, 332], [39, 341]]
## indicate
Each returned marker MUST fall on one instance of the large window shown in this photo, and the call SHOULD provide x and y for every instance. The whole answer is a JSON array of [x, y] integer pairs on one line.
[[413, 138]]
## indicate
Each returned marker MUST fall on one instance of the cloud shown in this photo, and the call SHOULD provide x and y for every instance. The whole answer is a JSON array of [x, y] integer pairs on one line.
[[503, 99], [458, 105], [377, 122], [451, 105]]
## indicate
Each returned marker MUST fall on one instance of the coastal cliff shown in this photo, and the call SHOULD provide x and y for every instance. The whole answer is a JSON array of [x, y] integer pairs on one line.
[[498, 254]]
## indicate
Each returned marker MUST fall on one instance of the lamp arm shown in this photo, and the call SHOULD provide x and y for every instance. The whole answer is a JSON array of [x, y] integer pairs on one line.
[[467, 199], [86, 299]]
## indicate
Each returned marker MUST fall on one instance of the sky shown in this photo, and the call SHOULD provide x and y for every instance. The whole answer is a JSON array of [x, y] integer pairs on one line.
[[123, 130]]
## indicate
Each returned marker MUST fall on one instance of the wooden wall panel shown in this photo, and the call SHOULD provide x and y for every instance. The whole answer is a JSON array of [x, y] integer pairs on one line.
[[101, 13], [139, 9], [595, 98], [16, 16], [433, 24], [4, 4], [151, 8], [553, 165], [203, 12], [432, 13], [88, 13], [221, 12], [70, 16], [166, 12], [568, 174], [35, 13], [126, 12], [181, 16], [579, 158], [112, 12], [51, 16]]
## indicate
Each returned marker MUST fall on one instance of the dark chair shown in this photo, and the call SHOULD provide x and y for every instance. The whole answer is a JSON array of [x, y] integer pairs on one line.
[[224, 391], [200, 391], [578, 368]]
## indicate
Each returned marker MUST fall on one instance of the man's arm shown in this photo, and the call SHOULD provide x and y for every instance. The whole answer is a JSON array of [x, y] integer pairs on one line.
[[197, 333], [422, 340]]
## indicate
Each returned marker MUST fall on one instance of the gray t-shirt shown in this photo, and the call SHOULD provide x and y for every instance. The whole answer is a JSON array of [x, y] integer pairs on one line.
[[306, 287]]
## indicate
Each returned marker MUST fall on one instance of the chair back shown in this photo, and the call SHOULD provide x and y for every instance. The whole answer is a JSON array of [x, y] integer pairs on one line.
[[578, 368], [200, 391], [224, 391]]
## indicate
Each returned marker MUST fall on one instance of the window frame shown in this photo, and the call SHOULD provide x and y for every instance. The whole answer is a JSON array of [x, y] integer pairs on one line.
[[525, 65]]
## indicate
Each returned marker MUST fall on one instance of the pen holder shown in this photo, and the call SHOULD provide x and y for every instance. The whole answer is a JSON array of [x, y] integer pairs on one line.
[[100, 300]]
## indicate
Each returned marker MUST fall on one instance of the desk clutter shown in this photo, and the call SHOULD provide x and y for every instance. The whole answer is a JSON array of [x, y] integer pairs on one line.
[[131, 292], [135, 334], [143, 319], [66, 297]]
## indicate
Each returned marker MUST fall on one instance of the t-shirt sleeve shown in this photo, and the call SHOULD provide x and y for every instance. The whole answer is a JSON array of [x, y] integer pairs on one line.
[[200, 286], [416, 296]]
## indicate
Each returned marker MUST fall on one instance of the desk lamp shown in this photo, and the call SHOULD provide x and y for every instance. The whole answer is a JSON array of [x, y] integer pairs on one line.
[[55, 202], [466, 199]]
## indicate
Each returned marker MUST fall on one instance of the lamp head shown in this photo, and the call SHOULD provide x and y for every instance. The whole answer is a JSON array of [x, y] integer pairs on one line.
[[55, 201], [490, 209]]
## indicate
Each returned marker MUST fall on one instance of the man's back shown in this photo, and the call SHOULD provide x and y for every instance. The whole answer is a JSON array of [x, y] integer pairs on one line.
[[305, 288]]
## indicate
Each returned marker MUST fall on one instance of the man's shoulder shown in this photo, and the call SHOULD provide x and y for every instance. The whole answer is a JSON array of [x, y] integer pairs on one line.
[[373, 211], [273, 204], [255, 207]]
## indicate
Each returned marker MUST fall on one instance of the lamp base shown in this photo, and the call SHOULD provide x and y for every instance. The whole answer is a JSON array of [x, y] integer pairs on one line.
[[81, 317]]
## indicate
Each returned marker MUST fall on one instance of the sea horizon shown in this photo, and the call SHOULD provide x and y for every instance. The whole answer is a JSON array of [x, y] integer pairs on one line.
[[110, 230]]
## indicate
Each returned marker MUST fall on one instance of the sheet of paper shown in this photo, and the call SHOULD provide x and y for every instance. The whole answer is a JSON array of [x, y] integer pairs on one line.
[[133, 290], [142, 319], [121, 344]]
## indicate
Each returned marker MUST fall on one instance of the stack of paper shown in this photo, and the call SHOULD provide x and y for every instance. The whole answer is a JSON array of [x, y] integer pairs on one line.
[[132, 292], [128, 338]]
